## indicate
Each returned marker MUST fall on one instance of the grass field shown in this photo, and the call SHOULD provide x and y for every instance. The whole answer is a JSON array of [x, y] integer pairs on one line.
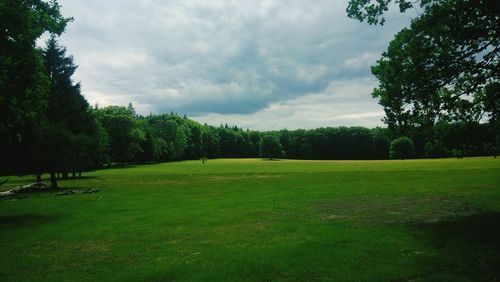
[[256, 220]]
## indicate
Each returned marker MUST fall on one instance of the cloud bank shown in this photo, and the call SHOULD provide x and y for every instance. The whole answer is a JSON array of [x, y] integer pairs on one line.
[[258, 64]]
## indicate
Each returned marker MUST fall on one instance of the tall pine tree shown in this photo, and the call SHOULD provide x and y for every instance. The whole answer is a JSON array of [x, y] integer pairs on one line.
[[69, 134]]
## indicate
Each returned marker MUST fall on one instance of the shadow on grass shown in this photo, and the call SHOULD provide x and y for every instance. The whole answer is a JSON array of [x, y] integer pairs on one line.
[[25, 220], [83, 177], [466, 248]]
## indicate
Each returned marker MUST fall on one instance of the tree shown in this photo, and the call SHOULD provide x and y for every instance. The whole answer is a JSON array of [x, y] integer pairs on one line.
[[270, 147], [69, 131], [441, 66], [402, 148], [210, 142], [151, 144], [123, 132], [23, 82], [227, 142]]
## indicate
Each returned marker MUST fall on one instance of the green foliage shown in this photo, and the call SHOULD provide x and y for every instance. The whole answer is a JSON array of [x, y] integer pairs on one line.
[[402, 148], [443, 67], [457, 153], [181, 138], [46, 122], [124, 134], [70, 141], [373, 11], [435, 149], [23, 82], [270, 147], [491, 149]]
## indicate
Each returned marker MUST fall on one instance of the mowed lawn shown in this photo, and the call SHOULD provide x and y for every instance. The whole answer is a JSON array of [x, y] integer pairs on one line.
[[258, 220]]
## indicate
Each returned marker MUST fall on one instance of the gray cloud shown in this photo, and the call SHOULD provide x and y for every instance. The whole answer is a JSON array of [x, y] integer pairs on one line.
[[230, 61]]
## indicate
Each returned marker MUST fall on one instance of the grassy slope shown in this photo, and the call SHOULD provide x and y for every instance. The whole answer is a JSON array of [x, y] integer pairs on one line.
[[262, 220]]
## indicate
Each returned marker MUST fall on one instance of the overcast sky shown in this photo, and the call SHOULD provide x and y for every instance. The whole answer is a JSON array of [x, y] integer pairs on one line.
[[257, 64]]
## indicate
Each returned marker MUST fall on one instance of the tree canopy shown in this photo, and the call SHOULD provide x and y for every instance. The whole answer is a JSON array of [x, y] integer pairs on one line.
[[270, 147], [445, 66], [402, 148], [24, 85]]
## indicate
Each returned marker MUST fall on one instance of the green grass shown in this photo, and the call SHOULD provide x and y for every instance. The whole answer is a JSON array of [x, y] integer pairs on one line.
[[255, 220]]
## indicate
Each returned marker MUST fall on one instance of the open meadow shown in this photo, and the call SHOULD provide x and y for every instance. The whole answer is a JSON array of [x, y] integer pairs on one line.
[[260, 220]]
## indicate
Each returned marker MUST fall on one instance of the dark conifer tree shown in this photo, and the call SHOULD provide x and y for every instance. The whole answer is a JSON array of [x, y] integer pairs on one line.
[[68, 136]]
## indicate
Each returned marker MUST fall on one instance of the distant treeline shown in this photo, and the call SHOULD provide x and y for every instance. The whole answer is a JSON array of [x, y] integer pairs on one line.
[[130, 138]]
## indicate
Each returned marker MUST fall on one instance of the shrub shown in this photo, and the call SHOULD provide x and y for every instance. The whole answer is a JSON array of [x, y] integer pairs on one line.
[[402, 148], [457, 153]]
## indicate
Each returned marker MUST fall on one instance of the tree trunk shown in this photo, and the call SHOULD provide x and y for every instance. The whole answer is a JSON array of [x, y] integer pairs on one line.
[[38, 178], [79, 174], [73, 174], [53, 180], [65, 175]]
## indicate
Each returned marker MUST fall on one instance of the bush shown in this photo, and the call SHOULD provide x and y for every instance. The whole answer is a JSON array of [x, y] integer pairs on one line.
[[457, 153], [402, 148], [491, 150]]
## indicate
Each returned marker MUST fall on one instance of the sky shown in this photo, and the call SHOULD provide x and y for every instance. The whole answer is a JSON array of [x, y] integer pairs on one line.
[[260, 65]]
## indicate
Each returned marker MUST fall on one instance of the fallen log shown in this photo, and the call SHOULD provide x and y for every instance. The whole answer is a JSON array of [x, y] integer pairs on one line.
[[38, 186], [71, 192], [6, 194]]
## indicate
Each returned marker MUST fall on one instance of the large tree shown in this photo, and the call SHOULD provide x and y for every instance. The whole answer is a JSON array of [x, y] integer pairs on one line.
[[69, 134], [124, 132], [23, 82], [443, 67]]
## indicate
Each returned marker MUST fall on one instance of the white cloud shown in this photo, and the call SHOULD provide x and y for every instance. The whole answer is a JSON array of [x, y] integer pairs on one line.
[[364, 60], [342, 103], [229, 61]]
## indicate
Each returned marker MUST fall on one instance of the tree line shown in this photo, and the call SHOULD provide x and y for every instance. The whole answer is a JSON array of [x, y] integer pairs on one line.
[[132, 138], [47, 126]]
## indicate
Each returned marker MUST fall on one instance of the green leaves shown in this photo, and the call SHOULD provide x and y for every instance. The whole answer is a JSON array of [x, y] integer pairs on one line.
[[270, 147], [373, 11], [402, 148], [439, 67], [24, 85]]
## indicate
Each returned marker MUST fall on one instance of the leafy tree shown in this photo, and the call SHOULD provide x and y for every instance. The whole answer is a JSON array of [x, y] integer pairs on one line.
[[227, 142], [270, 147], [151, 145], [255, 137], [381, 142], [175, 134], [194, 139], [491, 150], [211, 142], [23, 82], [123, 132], [441, 66], [492, 106], [402, 148]]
